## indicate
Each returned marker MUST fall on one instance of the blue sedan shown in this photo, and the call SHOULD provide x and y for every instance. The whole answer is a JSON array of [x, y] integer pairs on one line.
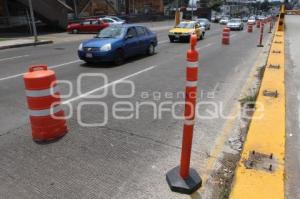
[[116, 43]]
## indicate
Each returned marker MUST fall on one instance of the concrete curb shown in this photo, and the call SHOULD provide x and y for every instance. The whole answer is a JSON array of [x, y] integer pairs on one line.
[[26, 44]]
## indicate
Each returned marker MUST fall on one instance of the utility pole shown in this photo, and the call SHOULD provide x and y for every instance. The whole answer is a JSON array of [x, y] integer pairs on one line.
[[33, 21], [177, 14]]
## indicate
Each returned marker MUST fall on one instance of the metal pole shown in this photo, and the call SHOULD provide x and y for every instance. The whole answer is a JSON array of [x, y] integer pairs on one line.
[[192, 9], [33, 21], [75, 8]]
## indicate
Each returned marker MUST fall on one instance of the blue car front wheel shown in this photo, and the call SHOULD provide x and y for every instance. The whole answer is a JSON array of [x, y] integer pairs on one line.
[[151, 49], [119, 57]]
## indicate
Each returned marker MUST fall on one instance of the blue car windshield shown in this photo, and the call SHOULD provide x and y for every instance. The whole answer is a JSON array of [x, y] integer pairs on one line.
[[111, 32]]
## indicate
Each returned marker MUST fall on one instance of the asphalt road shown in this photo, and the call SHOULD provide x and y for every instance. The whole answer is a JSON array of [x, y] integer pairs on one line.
[[125, 158]]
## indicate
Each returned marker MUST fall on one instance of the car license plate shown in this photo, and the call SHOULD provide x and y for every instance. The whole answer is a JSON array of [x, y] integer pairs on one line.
[[88, 55]]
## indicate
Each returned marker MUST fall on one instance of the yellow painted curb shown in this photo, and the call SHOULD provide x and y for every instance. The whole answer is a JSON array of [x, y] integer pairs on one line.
[[260, 172]]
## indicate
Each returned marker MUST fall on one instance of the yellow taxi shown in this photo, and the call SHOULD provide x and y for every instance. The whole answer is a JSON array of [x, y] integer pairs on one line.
[[184, 29]]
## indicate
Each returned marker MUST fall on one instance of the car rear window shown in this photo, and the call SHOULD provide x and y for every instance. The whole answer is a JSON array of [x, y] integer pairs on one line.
[[140, 31]]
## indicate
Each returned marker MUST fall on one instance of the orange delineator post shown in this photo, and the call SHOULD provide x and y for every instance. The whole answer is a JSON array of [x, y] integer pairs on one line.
[[226, 36], [190, 103], [257, 23], [261, 35], [43, 99], [184, 179], [271, 26]]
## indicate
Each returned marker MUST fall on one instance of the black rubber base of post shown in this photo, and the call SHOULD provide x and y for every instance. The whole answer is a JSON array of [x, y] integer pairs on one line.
[[178, 184], [260, 45]]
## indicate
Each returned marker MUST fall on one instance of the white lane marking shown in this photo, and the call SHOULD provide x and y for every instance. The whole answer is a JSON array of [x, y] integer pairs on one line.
[[107, 85], [51, 67], [233, 35], [202, 47], [16, 57], [298, 98], [162, 42]]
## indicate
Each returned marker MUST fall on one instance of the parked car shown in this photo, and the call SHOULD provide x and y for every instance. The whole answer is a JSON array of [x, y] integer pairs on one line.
[[224, 20], [115, 18], [112, 20], [235, 24], [251, 20], [87, 26], [184, 30], [204, 22], [116, 43]]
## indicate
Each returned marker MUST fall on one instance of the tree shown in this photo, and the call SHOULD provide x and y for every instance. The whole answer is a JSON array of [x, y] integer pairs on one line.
[[215, 4], [265, 6]]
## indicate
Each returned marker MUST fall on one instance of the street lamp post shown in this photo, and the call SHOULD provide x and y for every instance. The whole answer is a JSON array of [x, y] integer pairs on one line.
[[33, 21]]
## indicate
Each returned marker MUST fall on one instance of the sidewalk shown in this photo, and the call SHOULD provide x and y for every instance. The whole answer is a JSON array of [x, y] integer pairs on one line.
[[21, 42], [293, 106]]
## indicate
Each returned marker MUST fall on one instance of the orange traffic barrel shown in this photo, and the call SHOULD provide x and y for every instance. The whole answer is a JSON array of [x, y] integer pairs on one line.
[[250, 28], [43, 99], [226, 36]]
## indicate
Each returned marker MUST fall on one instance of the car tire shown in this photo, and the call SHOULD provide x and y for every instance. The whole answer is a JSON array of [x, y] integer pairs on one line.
[[119, 57], [171, 40], [202, 36], [75, 31], [151, 50]]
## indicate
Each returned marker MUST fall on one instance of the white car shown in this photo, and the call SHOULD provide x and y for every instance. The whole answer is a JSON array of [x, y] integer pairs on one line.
[[224, 20], [112, 20], [235, 24], [251, 20]]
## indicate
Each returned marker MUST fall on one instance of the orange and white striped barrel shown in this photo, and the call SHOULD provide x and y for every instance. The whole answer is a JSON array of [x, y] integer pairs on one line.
[[250, 28], [43, 99], [226, 36]]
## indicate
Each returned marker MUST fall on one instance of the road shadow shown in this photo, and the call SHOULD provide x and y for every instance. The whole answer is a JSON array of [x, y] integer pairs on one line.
[[112, 65]]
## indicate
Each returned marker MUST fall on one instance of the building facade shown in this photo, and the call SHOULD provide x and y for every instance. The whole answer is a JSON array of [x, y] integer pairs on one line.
[[121, 7]]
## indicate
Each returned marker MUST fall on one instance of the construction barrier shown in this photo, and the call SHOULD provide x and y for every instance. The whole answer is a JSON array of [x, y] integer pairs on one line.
[[43, 99], [184, 179], [226, 36], [260, 171], [250, 28]]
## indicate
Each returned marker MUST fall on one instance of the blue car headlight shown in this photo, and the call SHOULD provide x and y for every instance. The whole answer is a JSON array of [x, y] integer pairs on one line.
[[105, 48]]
